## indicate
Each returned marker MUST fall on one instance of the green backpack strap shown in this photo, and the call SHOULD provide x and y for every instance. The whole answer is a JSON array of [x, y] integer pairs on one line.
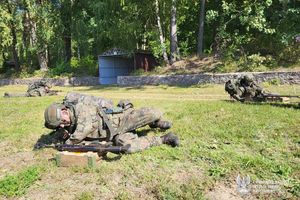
[[111, 132]]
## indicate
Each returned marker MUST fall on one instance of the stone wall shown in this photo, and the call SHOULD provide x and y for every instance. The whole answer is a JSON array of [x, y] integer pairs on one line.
[[188, 79], [74, 81], [207, 78]]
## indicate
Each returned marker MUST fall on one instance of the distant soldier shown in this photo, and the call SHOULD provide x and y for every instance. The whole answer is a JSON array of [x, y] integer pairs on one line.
[[83, 118], [35, 89], [244, 89]]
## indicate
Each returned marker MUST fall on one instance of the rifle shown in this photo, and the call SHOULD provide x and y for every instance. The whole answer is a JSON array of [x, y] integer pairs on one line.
[[269, 97], [99, 148], [53, 92], [278, 95]]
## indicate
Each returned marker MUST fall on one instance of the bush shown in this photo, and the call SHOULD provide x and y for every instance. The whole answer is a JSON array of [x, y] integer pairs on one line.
[[290, 55], [137, 72], [60, 69], [254, 62], [251, 63], [84, 66], [228, 66]]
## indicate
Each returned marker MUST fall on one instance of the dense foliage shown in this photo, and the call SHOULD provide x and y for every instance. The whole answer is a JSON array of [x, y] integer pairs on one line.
[[50, 34]]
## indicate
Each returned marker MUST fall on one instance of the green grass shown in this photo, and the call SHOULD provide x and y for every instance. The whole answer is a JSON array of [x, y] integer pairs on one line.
[[85, 196], [219, 140], [16, 185]]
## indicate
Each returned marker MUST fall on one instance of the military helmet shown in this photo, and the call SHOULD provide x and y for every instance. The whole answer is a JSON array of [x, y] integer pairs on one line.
[[45, 83], [52, 115], [249, 78]]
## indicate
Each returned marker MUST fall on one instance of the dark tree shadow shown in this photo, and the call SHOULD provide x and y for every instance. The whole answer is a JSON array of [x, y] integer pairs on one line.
[[100, 87], [282, 105], [135, 88], [110, 88]]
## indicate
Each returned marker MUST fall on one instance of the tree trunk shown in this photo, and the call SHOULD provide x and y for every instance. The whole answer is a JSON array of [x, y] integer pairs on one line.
[[43, 59], [66, 16], [161, 36], [201, 29], [25, 36], [14, 38], [174, 43], [14, 48], [41, 51]]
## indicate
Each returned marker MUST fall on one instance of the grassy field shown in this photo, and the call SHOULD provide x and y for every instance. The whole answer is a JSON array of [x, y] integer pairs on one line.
[[220, 139]]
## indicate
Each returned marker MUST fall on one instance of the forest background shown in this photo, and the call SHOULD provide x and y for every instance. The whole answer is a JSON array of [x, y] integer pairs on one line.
[[64, 37]]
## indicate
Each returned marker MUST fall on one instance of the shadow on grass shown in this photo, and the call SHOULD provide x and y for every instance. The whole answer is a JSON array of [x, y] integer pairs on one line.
[[111, 88], [139, 87], [282, 105], [100, 87], [47, 139]]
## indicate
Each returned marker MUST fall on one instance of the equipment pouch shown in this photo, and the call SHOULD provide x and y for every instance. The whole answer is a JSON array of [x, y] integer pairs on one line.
[[115, 110], [125, 104]]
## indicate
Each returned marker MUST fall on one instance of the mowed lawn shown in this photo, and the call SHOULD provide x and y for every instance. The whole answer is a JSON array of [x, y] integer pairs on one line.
[[220, 140]]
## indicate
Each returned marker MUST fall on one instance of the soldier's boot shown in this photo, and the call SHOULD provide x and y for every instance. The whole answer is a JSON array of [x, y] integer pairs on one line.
[[161, 124], [170, 139], [6, 94]]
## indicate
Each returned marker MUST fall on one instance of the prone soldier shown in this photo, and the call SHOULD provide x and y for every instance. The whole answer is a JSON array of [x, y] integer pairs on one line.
[[245, 89], [82, 117], [35, 89]]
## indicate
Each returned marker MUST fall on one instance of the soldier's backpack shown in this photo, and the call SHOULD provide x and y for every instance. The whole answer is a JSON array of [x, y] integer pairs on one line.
[[72, 98], [36, 85]]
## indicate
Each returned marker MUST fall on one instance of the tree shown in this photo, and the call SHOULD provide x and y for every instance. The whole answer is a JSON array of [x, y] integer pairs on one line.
[[38, 15], [161, 36], [173, 39], [11, 8], [201, 29], [66, 18]]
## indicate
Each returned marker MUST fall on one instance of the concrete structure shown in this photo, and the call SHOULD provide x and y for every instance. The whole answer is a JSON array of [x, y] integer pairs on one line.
[[112, 64]]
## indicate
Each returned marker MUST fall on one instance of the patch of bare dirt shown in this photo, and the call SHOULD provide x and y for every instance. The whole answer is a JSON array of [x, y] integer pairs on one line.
[[223, 191], [13, 159], [192, 65], [68, 183], [183, 173], [65, 184], [15, 162], [6, 147]]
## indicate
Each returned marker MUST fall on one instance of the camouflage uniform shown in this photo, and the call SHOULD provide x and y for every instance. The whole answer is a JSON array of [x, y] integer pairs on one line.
[[234, 90], [243, 89], [252, 90], [38, 88], [87, 122]]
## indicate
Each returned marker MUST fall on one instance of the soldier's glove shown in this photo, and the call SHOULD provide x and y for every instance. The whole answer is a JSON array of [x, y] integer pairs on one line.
[[62, 134], [170, 139], [125, 104]]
